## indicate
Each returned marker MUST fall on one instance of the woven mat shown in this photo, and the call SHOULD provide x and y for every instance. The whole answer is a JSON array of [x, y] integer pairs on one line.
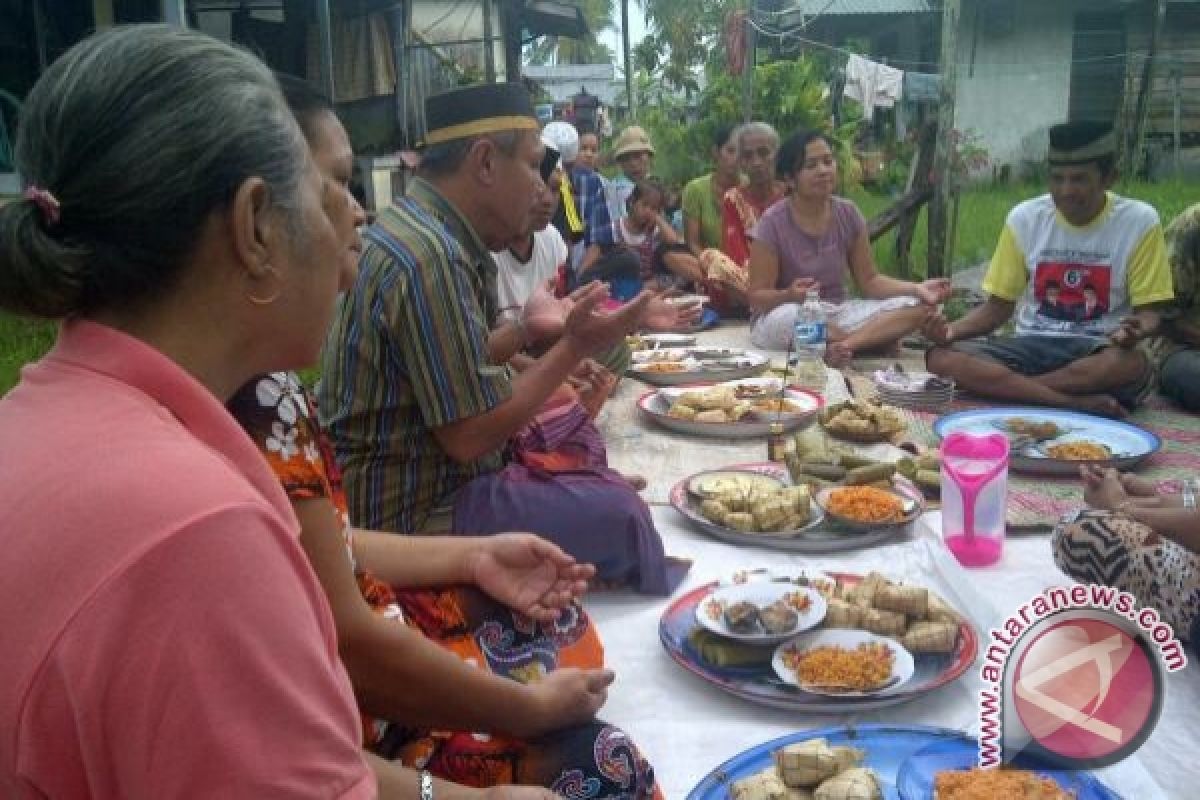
[[1036, 503]]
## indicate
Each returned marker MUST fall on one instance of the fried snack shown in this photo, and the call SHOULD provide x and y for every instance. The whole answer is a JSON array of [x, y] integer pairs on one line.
[[779, 617], [765, 785], [884, 623], [665, 366], [865, 504], [931, 637], [776, 405], [987, 784], [1079, 451], [853, 784], [866, 667], [713, 415], [1039, 430], [910, 600], [840, 614], [743, 617], [720, 268], [806, 764]]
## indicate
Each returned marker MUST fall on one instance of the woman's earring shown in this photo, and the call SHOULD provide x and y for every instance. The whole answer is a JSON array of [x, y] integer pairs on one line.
[[266, 301]]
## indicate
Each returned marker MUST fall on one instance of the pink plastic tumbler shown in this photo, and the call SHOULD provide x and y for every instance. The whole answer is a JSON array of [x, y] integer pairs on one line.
[[974, 496]]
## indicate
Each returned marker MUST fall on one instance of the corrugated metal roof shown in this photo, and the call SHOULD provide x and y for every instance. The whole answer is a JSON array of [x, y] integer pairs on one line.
[[825, 7]]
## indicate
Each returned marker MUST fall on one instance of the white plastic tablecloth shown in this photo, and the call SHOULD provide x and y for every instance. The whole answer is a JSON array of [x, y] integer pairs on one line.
[[688, 727]]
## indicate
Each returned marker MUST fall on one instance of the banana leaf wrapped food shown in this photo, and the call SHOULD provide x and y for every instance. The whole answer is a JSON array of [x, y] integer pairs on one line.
[[720, 651], [884, 623], [863, 594], [941, 611], [806, 764], [931, 637], [765, 785], [798, 499], [840, 614], [911, 600], [853, 784], [681, 411], [770, 514], [740, 521]]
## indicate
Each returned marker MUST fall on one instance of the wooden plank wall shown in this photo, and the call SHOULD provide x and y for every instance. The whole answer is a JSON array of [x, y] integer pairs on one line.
[[1179, 50]]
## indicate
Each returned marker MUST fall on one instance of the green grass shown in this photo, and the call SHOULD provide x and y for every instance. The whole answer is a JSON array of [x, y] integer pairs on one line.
[[21, 341], [982, 211]]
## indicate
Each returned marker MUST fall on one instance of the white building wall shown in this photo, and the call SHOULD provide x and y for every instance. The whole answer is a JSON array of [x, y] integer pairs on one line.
[[1019, 82]]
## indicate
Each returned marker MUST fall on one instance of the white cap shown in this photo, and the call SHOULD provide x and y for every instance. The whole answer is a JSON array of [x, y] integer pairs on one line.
[[546, 140], [563, 137]]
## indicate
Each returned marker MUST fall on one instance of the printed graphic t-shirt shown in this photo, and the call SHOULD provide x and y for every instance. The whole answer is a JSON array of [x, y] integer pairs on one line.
[[1079, 281]]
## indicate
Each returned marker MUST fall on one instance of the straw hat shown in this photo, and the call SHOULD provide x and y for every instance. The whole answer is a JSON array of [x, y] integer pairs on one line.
[[632, 140]]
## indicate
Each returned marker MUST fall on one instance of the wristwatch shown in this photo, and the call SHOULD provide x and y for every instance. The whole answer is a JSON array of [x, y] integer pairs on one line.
[[426, 785]]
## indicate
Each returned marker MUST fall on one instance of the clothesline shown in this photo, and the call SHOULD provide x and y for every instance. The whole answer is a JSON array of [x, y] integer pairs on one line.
[[1025, 66]]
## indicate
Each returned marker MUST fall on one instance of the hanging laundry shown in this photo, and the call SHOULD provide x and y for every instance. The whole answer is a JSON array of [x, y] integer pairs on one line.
[[873, 85]]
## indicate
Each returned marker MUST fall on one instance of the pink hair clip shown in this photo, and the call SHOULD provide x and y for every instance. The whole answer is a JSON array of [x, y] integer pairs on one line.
[[46, 203]]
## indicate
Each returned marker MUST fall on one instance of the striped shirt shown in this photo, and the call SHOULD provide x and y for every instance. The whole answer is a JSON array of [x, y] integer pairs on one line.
[[407, 353]]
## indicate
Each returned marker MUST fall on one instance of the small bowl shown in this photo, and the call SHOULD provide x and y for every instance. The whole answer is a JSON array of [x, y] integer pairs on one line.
[[903, 666], [710, 613]]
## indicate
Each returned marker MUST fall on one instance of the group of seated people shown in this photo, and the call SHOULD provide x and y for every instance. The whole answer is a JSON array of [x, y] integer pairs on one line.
[[202, 560], [208, 596]]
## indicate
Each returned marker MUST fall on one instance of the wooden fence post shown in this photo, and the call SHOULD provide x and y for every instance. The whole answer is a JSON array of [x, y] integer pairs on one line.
[[939, 206]]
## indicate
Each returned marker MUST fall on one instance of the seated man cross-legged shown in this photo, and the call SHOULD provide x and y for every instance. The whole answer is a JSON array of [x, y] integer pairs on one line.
[[1085, 271]]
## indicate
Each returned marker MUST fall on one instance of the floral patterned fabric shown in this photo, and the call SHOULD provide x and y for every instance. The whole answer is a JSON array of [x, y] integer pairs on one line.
[[594, 760]]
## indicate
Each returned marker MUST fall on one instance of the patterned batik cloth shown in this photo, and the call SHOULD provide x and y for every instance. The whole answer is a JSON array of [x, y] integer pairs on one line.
[[593, 760], [1104, 547]]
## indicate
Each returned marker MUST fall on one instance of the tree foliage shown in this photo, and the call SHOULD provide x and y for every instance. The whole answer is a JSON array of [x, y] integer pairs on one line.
[[790, 95], [683, 36], [588, 50]]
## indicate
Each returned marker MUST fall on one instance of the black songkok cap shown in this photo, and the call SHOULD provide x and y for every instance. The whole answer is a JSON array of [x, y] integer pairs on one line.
[[1080, 143], [476, 110]]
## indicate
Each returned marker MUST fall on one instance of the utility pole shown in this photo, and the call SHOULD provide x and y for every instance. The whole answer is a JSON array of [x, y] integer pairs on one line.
[[489, 45], [1132, 161], [631, 99], [939, 205], [750, 36]]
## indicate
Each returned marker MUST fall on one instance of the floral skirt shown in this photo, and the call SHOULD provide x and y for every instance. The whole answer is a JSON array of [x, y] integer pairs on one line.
[[1112, 549], [593, 760]]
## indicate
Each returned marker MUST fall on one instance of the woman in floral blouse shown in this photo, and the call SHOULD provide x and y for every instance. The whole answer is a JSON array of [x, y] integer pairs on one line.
[[444, 637]]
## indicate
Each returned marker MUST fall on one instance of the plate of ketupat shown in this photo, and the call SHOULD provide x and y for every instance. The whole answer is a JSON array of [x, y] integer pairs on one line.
[[941, 642], [948, 770], [843, 663], [871, 760]]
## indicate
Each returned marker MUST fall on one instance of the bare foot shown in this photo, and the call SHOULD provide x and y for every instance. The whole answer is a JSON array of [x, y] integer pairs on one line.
[[1103, 404], [838, 355]]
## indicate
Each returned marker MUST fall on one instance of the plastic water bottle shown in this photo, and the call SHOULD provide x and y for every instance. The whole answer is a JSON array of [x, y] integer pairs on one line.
[[808, 343]]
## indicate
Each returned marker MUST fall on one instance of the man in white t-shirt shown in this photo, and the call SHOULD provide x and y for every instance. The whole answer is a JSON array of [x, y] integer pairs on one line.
[[535, 257], [1083, 271]]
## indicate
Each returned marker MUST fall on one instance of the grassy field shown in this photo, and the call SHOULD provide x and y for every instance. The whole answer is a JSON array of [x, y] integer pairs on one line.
[[981, 216]]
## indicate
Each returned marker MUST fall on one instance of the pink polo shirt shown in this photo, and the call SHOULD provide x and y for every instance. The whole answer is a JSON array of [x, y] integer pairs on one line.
[[161, 633]]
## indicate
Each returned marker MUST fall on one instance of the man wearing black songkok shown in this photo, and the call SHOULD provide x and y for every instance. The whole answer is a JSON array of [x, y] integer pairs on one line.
[[1104, 258]]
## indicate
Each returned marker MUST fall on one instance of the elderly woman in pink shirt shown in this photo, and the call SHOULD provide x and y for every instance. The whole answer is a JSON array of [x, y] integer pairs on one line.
[[814, 240], [161, 632]]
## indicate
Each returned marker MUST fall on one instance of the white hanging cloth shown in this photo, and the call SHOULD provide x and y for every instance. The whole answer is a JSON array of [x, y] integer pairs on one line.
[[873, 85]]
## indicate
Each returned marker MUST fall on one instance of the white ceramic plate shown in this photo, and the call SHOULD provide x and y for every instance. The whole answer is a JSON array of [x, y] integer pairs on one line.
[[739, 364], [708, 484], [911, 507], [903, 666], [711, 611], [799, 576]]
